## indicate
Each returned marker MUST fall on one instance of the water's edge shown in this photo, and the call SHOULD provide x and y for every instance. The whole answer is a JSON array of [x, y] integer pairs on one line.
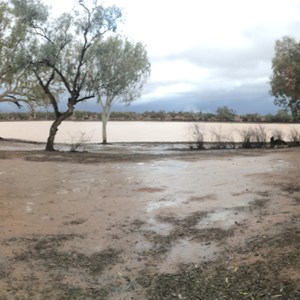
[[89, 132]]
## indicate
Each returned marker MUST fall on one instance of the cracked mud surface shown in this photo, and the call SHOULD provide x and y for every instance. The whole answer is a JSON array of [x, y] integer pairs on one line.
[[150, 226]]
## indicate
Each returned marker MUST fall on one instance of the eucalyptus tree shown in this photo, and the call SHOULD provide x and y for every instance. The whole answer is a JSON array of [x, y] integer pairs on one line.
[[120, 68], [60, 49], [285, 80], [16, 86], [225, 114]]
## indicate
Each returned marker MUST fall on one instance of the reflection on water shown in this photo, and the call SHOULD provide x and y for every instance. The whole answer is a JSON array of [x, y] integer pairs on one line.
[[187, 252], [221, 218], [90, 132], [161, 203], [158, 227]]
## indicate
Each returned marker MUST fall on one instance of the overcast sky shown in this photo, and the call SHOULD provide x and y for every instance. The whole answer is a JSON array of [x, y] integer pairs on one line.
[[210, 53], [206, 53]]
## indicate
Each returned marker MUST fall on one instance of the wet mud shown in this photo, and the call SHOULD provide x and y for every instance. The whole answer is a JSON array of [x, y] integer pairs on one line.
[[171, 225]]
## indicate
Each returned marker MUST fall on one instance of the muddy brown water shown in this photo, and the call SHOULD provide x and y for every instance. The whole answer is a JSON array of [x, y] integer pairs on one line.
[[71, 230], [138, 131]]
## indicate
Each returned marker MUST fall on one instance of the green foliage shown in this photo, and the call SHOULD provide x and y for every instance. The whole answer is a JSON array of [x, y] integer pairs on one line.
[[124, 116], [285, 81], [59, 51], [154, 116], [16, 83], [251, 117], [119, 69], [30, 12], [283, 116], [225, 114]]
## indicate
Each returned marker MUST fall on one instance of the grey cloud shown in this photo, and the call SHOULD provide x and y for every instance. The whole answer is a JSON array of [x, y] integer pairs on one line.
[[240, 80], [244, 99], [239, 77], [245, 65], [251, 61]]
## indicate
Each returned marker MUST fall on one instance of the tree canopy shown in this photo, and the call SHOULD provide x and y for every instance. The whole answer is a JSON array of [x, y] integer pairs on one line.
[[74, 57], [120, 68], [285, 80], [225, 113], [16, 85], [58, 51]]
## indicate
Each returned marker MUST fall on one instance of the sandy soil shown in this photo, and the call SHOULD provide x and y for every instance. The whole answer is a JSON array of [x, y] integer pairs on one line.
[[127, 224]]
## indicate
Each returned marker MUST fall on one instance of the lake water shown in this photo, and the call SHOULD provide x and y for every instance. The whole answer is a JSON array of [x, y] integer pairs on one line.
[[135, 131]]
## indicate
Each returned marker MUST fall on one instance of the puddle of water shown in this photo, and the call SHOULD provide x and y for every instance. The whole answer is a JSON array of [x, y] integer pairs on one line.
[[221, 219], [29, 207], [161, 203], [277, 164], [280, 164], [186, 252], [142, 246], [158, 227], [116, 167], [35, 194], [62, 192]]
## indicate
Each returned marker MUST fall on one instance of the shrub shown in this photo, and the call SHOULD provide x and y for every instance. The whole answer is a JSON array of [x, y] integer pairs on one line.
[[197, 136], [254, 137], [247, 137], [77, 142], [295, 136], [277, 134], [219, 139], [260, 136]]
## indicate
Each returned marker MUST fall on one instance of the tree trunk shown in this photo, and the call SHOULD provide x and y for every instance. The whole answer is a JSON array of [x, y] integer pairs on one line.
[[105, 117], [52, 134], [294, 111], [54, 129], [104, 132], [106, 107]]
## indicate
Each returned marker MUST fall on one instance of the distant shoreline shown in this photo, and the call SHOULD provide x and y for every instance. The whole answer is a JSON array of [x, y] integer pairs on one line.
[[224, 115], [157, 121]]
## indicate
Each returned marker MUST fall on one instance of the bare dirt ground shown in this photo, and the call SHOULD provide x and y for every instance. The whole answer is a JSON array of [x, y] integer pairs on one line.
[[127, 224]]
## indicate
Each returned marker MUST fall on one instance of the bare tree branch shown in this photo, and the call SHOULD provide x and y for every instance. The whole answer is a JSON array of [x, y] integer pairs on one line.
[[11, 100]]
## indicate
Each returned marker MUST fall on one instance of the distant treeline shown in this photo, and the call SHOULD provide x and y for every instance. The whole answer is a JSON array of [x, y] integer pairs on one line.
[[222, 115]]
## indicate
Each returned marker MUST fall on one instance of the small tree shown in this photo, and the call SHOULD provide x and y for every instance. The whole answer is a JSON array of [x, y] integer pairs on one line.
[[283, 115], [225, 114], [16, 84], [120, 69], [197, 136], [295, 136], [277, 134], [285, 81], [251, 117], [260, 136], [60, 50], [256, 137]]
